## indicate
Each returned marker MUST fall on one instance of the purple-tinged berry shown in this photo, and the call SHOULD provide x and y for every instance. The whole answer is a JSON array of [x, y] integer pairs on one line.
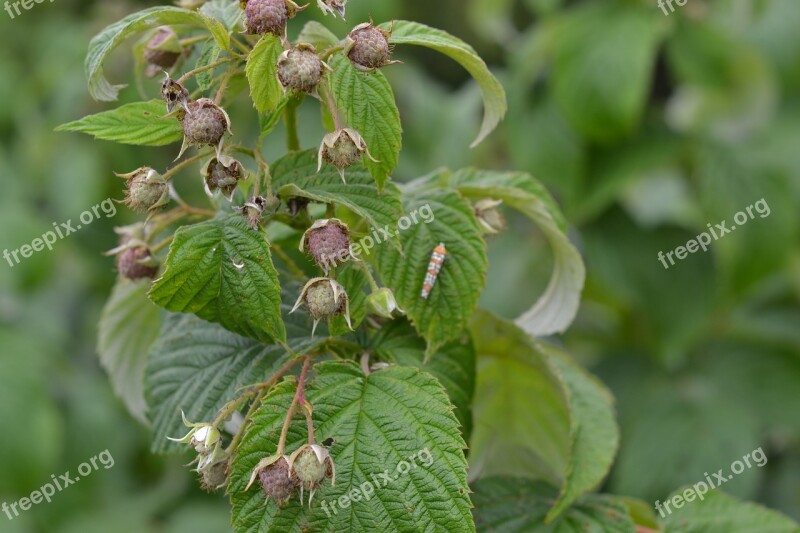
[[136, 263], [368, 47], [328, 242]]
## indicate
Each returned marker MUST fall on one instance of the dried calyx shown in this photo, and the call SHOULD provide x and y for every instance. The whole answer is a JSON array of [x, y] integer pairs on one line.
[[222, 173], [174, 94], [334, 7], [147, 191], [256, 207]]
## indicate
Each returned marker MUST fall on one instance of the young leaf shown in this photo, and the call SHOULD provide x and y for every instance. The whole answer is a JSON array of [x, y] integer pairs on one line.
[[221, 271], [226, 11], [556, 308], [494, 96], [453, 364], [261, 70], [384, 423], [140, 123], [369, 107], [108, 39], [129, 324], [209, 54], [197, 367], [719, 513], [445, 313], [518, 505], [296, 175], [318, 35], [568, 437]]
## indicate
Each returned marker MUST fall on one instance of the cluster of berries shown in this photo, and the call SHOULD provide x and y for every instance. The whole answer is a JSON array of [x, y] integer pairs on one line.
[[280, 476]]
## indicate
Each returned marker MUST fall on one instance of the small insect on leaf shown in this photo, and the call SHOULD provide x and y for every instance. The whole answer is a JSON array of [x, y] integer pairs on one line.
[[434, 267]]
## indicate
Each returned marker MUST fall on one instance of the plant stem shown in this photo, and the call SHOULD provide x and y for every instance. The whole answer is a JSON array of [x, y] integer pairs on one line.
[[290, 118], [290, 264], [175, 168], [193, 40], [198, 70], [299, 397], [362, 265], [161, 245], [327, 98]]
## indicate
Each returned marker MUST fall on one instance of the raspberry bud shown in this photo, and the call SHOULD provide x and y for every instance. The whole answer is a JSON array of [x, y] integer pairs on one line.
[[273, 476], [268, 16], [343, 149], [368, 47], [310, 465], [136, 263], [222, 173], [174, 94], [382, 303], [333, 7], [301, 68], [328, 242], [163, 49], [204, 123], [253, 211], [324, 298], [147, 190], [489, 217], [214, 476]]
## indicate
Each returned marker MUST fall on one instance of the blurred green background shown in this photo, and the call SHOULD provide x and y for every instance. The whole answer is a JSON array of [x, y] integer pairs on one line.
[[645, 127]]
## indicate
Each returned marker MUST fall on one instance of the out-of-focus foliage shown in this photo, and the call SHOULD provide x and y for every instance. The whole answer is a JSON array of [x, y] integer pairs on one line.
[[646, 127]]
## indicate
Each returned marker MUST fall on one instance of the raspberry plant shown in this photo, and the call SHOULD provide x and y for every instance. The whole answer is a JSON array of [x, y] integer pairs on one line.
[[302, 371]]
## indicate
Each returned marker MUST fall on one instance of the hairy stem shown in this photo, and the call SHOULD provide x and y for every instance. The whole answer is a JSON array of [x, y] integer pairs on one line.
[[299, 399], [290, 118], [198, 70]]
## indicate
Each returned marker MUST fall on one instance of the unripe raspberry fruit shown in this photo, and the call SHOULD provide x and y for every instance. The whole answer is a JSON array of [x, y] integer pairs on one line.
[[310, 465], [214, 476], [343, 149], [300, 68], [276, 482], [205, 123], [324, 298], [253, 211], [222, 173], [328, 242], [136, 263], [163, 49], [147, 190], [368, 47], [266, 16]]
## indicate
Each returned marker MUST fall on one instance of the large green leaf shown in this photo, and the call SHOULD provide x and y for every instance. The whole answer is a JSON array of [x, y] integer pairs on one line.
[[556, 308], [518, 505], [296, 175], [318, 35], [261, 70], [604, 61], [226, 11], [197, 367], [568, 436], [453, 364], [381, 423], [209, 54], [494, 97], [129, 324], [139, 123], [108, 39], [369, 107], [444, 314], [719, 513], [221, 271]]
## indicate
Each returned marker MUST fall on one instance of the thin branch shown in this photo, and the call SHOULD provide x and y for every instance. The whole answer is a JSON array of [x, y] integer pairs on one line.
[[299, 398]]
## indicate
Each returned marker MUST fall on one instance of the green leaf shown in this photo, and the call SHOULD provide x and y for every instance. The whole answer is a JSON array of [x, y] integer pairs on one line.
[[318, 35], [444, 314], [556, 308], [140, 123], [296, 175], [227, 12], [720, 513], [494, 96], [261, 70], [209, 54], [354, 280], [221, 271], [129, 324], [453, 364], [369, 107], [567, 437], [197, 366], [269, 120], [108, 39], [517, 505], [391, 419], [603, 66]]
